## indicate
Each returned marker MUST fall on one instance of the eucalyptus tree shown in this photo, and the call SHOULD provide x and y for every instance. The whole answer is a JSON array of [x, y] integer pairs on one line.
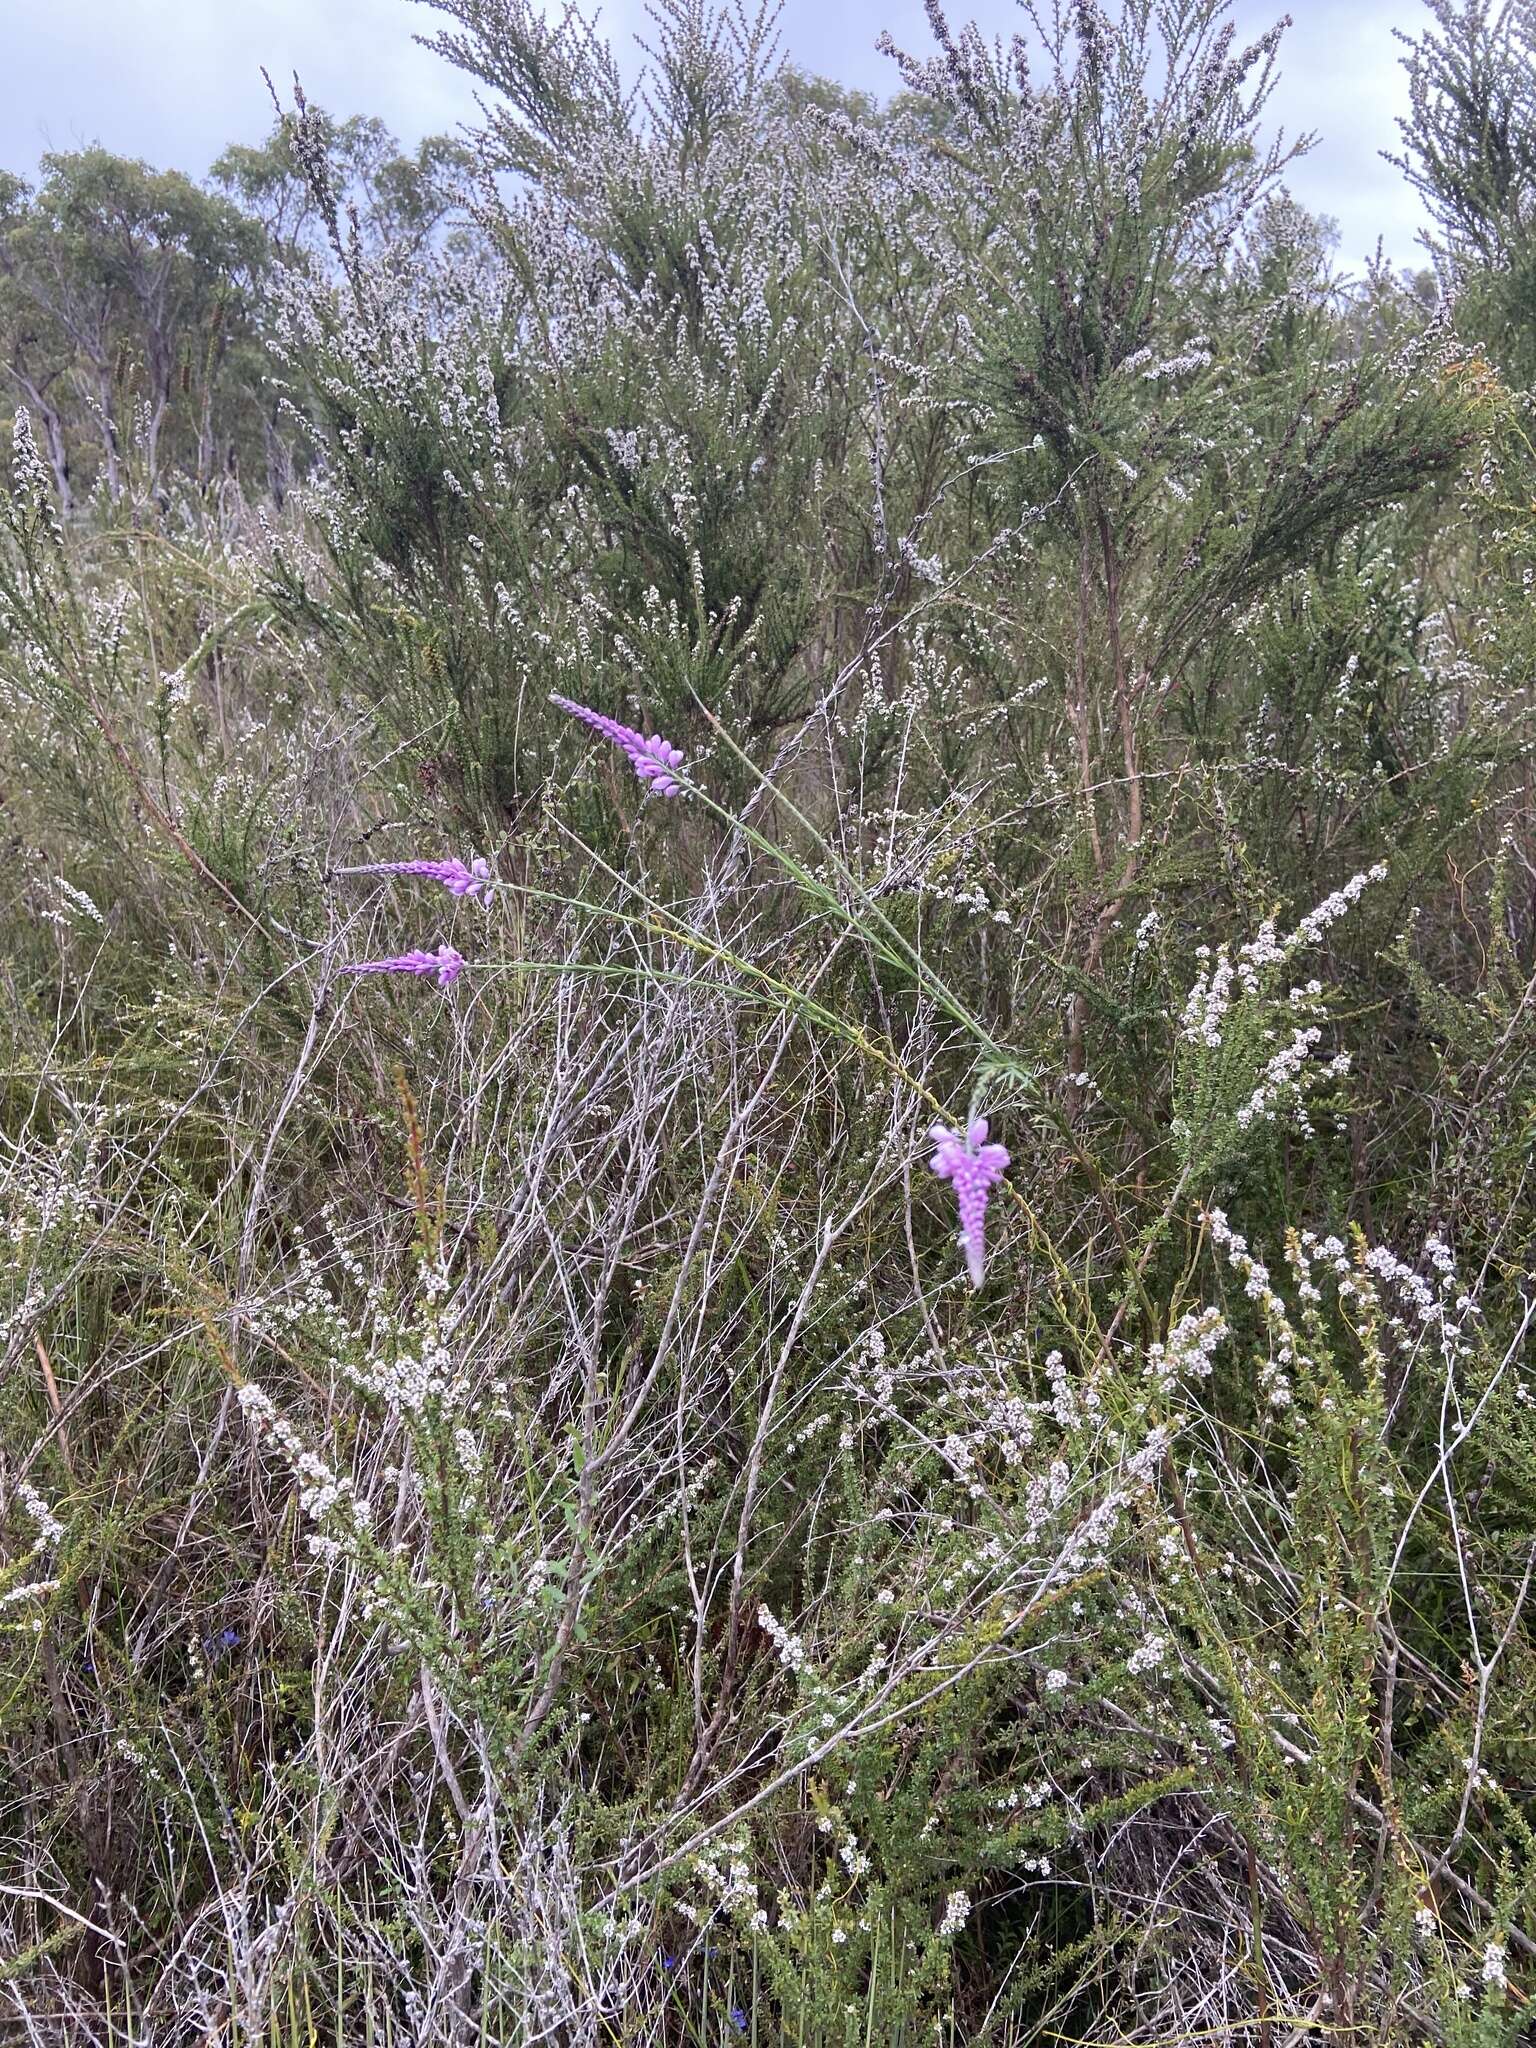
[[135, 283]]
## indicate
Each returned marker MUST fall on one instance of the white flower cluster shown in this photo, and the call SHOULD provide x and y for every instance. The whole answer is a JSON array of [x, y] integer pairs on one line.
[[724, 1869], [1063, 1395], [50, 1533], [1274, 1376], [1444, 1311], [1213, 994], [1191, 1347], [1145, 363], [322, 1492], [78, 900], [926, 568], [1440, 1311], [1333, 907], [791, 1651], [957, 1910], [408, 1359], [30, 1589], [994, 1420], [1147, 1656], [1287, 1076], [1255, 1274], [34, 485], [47, 1192], [50, 1530], [1208, 1001]]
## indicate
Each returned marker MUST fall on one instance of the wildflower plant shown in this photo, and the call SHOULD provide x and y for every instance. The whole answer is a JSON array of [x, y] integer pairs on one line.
[[973, 1167], [445, 965], [653, 759], [457, 878], [1251, 1059]]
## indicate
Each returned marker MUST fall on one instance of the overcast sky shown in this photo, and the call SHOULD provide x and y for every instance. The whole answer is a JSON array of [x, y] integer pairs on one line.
[[174, 81]]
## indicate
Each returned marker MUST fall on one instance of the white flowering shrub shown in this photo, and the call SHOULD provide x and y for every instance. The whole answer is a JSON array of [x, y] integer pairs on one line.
[[1250, 1058]]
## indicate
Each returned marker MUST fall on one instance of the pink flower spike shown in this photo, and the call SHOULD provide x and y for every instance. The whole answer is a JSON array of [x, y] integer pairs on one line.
[[974, 1167], [457, 879], [653, 759], [446, 963]]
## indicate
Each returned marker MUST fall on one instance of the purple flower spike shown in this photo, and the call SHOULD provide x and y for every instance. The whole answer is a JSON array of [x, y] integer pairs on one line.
[[652, 759], [975, 1168], [457, 879], [445, 963]]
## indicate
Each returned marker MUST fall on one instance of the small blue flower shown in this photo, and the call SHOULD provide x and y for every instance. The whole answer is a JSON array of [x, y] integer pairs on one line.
[[669, 1962], [738, 2019], [230, 1638]]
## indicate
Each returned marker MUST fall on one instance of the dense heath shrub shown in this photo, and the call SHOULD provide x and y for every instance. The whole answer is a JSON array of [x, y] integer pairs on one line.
[[830, 1342]]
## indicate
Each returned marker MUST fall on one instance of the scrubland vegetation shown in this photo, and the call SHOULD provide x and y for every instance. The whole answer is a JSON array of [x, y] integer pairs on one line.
[[518, 1522]]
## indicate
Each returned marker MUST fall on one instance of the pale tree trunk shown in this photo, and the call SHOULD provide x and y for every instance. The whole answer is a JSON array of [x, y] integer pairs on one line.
[[156, 420], [106, 425], [278, 468], [58, 456]]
